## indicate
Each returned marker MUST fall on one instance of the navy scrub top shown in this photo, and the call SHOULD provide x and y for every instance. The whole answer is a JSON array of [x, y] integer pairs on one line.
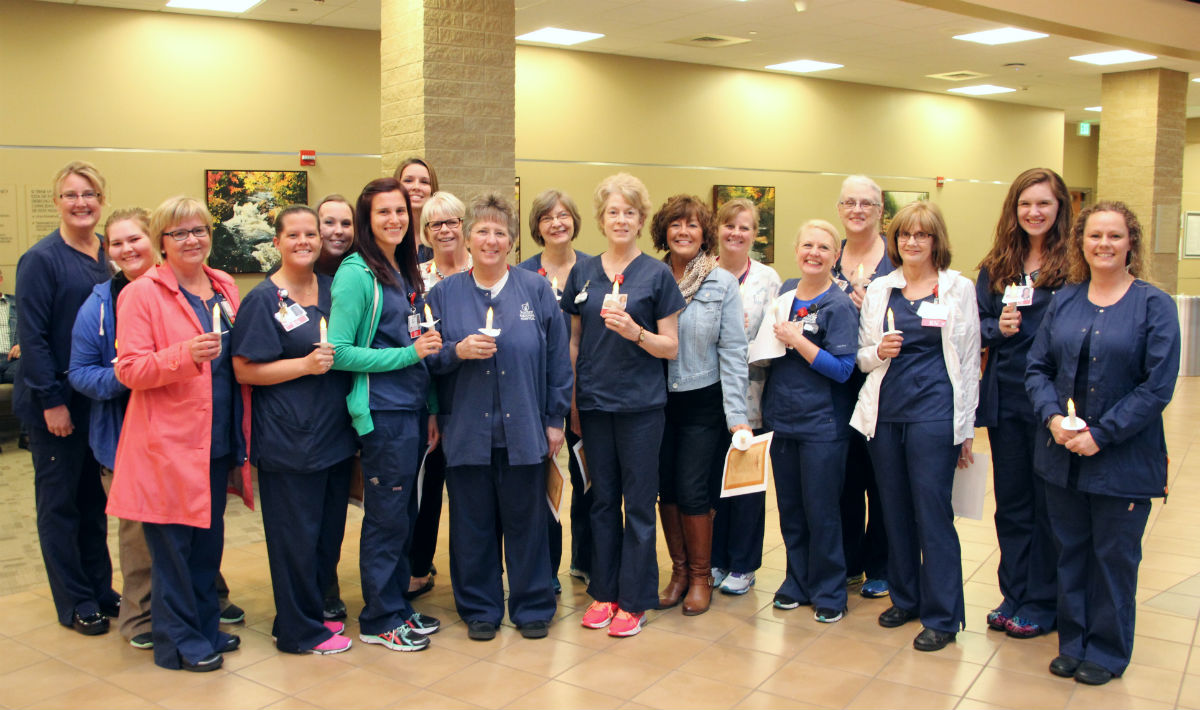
[[302, 425], [404, 389], [223, 384], [800, 402], [916, 386], [614, 374], [1002, 388]]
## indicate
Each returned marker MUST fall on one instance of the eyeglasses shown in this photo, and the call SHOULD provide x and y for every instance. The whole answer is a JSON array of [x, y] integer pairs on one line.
[[88, 196], [451, 223], [918, 237], [559, 217], [851, 204], [181, 234]]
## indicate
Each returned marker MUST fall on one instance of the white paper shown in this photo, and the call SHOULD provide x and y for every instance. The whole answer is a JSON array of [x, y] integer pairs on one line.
[[581, 459], [762, 443], [970, 486], [421, 476], [765, 345], [553, 469]]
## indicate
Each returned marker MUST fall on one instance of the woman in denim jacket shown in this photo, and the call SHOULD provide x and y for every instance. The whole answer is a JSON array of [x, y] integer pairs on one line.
[[706, 396]]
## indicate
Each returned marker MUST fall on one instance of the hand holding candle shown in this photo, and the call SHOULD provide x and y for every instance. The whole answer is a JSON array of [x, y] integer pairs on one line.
[[889, 346], [1071, 422], [487, 328], [429, 321]]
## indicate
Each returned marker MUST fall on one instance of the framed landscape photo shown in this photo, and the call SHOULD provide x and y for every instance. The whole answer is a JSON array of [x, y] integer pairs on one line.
[[893, 200], [763, 249], [243, 204]]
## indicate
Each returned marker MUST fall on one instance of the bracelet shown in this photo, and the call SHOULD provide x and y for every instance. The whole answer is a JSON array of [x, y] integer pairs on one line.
[[641, 335]]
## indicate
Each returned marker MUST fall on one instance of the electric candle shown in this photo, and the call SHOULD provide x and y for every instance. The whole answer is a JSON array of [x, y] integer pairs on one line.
[[216, 318], [861, 274], [488, 321], [325, 330], [428, 316], [891, 320], [554, 284], [1070, 408]]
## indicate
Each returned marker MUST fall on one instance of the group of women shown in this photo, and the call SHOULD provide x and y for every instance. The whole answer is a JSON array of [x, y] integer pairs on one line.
[[866, 368]]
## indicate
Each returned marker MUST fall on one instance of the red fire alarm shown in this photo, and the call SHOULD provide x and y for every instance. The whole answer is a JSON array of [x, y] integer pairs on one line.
[[309, 157], [941, 181]]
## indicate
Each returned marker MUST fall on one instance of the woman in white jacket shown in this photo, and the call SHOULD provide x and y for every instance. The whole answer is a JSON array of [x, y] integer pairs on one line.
[[919, 345]]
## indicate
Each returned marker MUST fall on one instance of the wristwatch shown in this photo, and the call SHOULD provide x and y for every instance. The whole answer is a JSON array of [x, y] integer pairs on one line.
[[641, 335]]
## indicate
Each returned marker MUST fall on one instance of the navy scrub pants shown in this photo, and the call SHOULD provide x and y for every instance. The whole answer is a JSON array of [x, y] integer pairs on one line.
[[1027, 558], [808, 485], [1099, 540], [512, 499], [72, 526], [914, 467], [738, 526], [390, 457], [622, 456], [184, 561], [581, 519], [304, 516], [864, 537]]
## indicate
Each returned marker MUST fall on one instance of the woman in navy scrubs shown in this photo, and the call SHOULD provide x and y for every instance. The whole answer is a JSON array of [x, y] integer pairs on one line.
[[807, 404], [1111, 344], [706, 397], [373, 326], [740, 521], [554, 223], [620, 394], [505, 398], [919, 345], [303, 444], [1030, 250]]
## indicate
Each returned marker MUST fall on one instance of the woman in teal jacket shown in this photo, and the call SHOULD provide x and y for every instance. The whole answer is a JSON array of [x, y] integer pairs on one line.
[[373, 326]]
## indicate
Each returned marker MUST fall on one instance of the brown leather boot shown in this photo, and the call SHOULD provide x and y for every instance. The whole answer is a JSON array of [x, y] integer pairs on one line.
[[697, 533], [672, 524]]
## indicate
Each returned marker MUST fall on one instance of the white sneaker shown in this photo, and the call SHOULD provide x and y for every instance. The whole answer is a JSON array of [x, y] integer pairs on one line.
[[718, 576], [737, 583]]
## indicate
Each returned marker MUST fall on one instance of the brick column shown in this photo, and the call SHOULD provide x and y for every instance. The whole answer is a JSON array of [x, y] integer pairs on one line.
[[1144, 128], [447, 83]]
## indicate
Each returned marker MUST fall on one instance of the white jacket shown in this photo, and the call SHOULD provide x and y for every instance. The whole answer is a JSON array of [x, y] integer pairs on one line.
[[960, 347]]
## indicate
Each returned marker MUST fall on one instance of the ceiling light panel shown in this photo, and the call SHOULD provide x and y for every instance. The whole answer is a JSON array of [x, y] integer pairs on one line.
[[214, 5], [981, 90], [804, 66], [1097, 109], [555, 35], [1119, 56], [1004, 35]]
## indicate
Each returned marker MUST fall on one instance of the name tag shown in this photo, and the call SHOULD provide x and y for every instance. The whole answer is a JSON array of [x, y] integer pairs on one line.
[[1018, 294], [414, 326], [291, 317], [933, 315]]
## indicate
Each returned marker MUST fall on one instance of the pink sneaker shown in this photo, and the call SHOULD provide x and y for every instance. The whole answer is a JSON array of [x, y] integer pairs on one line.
[[599, 614], [336, 627], [627, 623], [333, 644]]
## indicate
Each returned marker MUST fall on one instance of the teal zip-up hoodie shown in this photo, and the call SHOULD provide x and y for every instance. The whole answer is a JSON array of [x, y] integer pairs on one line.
[[353, 320]]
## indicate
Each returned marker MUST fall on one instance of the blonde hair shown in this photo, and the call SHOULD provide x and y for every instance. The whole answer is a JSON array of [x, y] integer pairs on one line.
[[733, 208], [628, 187], [136, 215], [85, 170], [445, 204], [823, 226], [174, 210]]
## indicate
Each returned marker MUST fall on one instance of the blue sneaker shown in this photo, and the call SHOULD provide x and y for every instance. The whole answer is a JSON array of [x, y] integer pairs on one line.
[[874, 589], [737, 583]]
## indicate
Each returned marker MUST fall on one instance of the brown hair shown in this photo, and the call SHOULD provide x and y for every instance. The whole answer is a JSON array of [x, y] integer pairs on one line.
[[433, 182], [1005, 262], [1135, 260], [493, 207], [364, 238], [542, 206], [291, 210], [683, 207], [923, 216], [733, 208]]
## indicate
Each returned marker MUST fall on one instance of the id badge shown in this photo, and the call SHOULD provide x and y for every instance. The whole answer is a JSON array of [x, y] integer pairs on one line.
[[295, 317], [414, 326], [1018, 295], [933, 315]]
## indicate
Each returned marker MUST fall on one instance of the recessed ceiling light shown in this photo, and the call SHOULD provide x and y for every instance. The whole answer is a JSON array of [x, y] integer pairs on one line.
[[214, 5], [554, 35], [1117, 56], [1004, 35], [981, 90], [1094, 108], [1197, 80], [804, 66]]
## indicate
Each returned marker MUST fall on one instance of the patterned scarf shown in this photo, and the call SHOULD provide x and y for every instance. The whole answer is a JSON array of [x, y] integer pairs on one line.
[[694, 274]]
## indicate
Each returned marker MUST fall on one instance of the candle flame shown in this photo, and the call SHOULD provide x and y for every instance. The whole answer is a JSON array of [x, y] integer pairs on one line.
[[554, 283], [428, 314], [616, 288], [861, 273], [324, 330], [1070, 408], [488, 321]]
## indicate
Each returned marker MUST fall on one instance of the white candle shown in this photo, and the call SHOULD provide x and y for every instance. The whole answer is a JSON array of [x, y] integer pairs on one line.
[[891, 320], [325, 331], [488, 322], [216, 316], [554, 284], [1070, 408]]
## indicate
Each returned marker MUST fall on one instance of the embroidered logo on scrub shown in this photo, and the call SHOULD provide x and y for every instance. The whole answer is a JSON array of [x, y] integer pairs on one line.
[[527, 312]]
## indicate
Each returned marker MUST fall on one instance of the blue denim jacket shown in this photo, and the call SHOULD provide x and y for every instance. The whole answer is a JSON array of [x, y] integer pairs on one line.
[[712, 345]]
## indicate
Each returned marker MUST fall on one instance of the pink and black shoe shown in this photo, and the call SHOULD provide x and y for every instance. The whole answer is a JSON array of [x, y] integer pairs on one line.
[[1020, 628], [997, 620]]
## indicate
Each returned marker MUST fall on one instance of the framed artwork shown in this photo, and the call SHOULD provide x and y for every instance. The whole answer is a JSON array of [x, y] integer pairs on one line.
[[763, 249], [893, 200], [243, 204]]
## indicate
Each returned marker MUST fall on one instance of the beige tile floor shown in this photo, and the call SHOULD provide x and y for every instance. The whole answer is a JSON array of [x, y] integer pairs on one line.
[[742, 654]]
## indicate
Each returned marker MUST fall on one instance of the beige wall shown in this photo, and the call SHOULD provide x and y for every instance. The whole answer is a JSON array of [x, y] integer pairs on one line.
[[1080, 157], [1189, 269], [685, 127]]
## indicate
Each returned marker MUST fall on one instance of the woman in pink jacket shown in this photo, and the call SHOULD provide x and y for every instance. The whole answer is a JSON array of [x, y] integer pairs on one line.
[[185, 434]]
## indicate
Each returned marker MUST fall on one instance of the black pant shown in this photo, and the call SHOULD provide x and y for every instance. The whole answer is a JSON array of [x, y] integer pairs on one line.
[[693, 447], [429, 515]]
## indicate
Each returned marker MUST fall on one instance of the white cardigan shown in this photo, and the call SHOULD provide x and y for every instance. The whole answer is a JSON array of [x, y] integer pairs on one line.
[[960, 347]]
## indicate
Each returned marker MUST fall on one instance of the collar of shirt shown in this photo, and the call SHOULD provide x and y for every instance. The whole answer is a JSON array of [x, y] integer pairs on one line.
[[494, 289]]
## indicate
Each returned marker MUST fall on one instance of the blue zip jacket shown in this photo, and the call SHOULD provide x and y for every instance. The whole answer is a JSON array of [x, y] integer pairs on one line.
[[93, 348]]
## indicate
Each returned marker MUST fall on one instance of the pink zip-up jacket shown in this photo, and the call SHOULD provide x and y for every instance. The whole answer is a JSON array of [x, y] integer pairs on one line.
[[162, 465]]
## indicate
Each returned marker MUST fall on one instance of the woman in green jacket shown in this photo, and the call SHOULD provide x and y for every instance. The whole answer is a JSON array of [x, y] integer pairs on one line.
[[373, 326]]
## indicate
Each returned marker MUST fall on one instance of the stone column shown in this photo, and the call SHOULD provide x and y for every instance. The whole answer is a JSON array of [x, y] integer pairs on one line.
[[1144, 128], [447, 85]]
